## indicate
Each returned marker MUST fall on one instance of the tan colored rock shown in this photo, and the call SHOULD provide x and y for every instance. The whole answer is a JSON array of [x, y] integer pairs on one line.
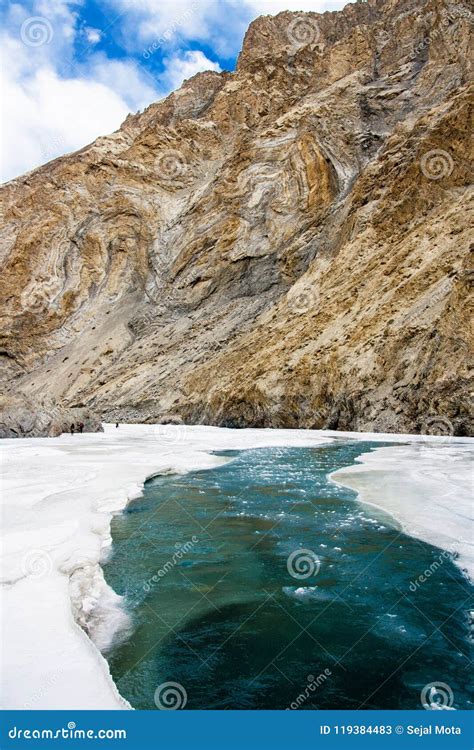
[[286, 245], [24, 417]]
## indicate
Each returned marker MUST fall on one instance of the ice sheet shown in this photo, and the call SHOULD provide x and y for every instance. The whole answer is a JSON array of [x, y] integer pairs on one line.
[[58, 496], [427, 487]]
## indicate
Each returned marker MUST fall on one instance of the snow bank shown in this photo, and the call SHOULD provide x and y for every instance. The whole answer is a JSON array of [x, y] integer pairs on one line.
[[427, 486], [58, 497]]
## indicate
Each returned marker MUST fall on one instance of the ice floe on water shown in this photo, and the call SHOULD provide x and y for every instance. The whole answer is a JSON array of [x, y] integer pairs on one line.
[[426, 487], [302, 593]]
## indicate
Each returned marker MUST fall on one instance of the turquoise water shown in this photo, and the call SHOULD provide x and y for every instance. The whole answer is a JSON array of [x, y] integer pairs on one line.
[[202, 561]]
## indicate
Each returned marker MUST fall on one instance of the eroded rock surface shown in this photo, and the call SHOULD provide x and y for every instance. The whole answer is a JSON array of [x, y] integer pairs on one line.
[[286, 245], [24, 417]]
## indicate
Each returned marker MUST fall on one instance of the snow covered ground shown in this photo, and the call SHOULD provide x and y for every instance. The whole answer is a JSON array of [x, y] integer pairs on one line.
[[427, 487], [58, 496]]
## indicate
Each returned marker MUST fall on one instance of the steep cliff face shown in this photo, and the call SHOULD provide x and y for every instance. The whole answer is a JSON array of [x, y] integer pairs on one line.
[[286, 245]]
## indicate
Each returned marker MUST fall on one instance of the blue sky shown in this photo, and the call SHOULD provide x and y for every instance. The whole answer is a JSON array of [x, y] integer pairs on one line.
[[73, 69]]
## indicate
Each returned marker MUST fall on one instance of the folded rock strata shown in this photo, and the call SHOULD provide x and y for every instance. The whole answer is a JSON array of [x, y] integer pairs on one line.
[[286, 245]]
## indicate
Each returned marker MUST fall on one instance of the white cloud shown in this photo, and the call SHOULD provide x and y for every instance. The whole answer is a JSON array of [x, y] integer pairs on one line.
[[56, 103], [181, 67], [219, 23], [48, 112], [271, 7], [151, 21], [48, 116], [134, 85], [93, 36]]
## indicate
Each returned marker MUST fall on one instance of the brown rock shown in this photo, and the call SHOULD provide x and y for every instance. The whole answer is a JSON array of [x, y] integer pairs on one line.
[[286, 245], [23, 417]]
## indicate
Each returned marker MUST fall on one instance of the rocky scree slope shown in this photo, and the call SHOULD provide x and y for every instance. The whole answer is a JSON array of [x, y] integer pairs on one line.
[[286, 245]]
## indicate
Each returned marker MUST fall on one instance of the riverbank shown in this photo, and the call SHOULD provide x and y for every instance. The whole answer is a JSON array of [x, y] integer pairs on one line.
[[59, 496], [426, 487]]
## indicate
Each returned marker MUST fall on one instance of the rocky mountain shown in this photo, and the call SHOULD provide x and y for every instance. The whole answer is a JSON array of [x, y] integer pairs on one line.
[[284, 245]]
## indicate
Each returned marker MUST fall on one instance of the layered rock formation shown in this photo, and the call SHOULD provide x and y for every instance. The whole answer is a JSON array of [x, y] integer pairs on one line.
[[283, 246], [24, 417]]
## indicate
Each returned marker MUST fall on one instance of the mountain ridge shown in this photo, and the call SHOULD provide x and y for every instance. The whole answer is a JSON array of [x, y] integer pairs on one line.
[[279, 246]]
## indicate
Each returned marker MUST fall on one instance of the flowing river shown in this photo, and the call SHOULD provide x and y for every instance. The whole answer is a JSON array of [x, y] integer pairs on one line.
[[262, 584]]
